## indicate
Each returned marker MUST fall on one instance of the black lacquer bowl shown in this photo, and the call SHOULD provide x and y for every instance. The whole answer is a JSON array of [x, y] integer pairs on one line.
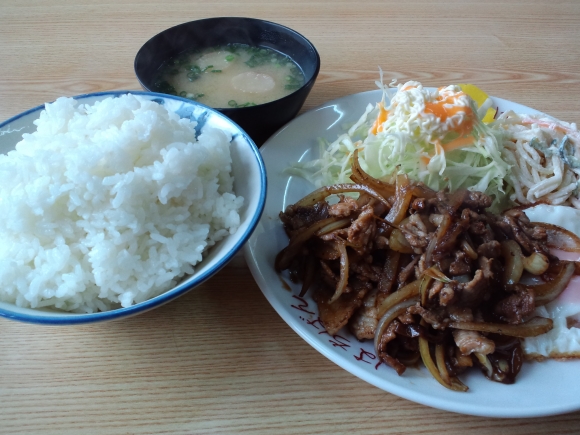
[[260, 121]]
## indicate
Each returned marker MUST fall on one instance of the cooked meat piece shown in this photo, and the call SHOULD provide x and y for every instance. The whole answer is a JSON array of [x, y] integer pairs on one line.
[[296, 217], [449, 239], [407, 271], [415, 231], [510, 226], [479, 225], [379, 208], [327, 275], [421, 267], [516, 307], [448, 295], [364, 271], [419, 204], [324, 250], [435, 289], [334, 235], [336, 315], [363, 323], [344, 208], [481, 229], [406, 318], [473, 342], [461, 265], [517, 214], [473, 292], [388, 336], [389, 272], [437, 317], [477, 201], [460, 314], [444, 263], [363, 228], [381, 242], [491, 249]]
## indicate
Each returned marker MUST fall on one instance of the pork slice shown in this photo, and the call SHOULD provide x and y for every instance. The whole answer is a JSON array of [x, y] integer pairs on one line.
[[336, 315], [470, 342], [296, 217], [363, 229], [344, 208], [517, 306]]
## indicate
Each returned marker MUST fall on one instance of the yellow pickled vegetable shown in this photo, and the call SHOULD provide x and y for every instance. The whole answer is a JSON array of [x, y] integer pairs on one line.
[[479, 97]]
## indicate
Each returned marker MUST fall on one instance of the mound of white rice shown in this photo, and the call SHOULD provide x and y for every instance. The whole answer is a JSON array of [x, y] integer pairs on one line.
[[110, 204]]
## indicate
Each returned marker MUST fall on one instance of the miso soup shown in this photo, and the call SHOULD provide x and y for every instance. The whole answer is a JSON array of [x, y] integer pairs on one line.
[[233, 75]]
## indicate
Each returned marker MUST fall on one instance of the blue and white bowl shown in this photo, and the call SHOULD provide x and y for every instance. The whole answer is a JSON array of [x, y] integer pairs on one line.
[[250, 182]]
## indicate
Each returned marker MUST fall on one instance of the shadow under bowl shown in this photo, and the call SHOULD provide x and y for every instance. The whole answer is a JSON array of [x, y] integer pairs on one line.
[[260, 121]]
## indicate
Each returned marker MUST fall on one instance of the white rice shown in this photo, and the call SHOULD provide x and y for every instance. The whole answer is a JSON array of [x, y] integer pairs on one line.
[[110, 204]]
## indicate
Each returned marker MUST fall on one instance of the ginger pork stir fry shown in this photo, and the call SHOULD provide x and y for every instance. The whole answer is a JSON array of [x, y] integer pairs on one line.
[[427, 275]]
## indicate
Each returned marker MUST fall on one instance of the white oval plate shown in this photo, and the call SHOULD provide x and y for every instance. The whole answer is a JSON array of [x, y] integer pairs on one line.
[[541, 389]]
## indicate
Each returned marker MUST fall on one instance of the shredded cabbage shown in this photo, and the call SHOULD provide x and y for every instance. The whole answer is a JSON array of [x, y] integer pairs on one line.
[[436, 137]]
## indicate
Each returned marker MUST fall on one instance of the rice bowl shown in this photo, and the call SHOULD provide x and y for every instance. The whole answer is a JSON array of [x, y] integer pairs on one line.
[[227, 236]]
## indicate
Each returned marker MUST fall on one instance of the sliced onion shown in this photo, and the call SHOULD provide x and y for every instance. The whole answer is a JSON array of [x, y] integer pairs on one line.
[[285, 256], [343, 272], [536, 263], [548, 291], [513, 264], [468, 249], [343, 223], [485, 362], [442, 229], [390, 269], [532, 328], [361, 177], [422, 191], [560, 238], [404, 293], [324, 192], [423, 289], [433, 369], [391, 314], [463, 360], [440, 360], [404, 196]]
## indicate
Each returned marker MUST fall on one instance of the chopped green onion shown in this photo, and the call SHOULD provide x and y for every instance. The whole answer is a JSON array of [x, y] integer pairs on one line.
[[183, 94], [230, 57], [216, 70], [233, 103]]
